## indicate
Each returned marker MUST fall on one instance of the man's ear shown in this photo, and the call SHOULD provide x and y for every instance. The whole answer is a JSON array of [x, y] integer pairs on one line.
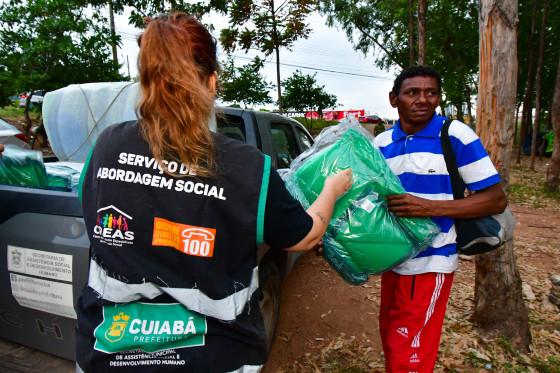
[[393, 99]]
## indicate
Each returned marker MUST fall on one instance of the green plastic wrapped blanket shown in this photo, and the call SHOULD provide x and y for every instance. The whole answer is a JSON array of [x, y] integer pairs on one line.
[[363, 238], [21, 167]]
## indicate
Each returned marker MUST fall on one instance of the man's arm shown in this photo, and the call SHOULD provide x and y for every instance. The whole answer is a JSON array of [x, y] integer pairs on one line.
[[488, 201]]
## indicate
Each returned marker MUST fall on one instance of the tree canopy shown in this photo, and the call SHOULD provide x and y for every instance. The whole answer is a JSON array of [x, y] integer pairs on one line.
[[48, 44], [245, 84], [266, 26], [382, 28], [302, 93]]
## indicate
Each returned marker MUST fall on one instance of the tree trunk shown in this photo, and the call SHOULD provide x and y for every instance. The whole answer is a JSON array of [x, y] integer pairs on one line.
[[499, 307], [421, 32], [528, 100], [554, 165], [411, 31], [515, 132], [538, 92], [277, 52], [469, 106], [112, 26], [460, 111], [28, 122], [278, 79]]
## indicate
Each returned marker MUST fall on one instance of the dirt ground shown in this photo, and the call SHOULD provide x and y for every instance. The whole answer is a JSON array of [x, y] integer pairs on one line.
[[324, 319]]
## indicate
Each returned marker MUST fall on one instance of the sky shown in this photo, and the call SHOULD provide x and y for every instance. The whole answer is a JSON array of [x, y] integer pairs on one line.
[[345, 73]]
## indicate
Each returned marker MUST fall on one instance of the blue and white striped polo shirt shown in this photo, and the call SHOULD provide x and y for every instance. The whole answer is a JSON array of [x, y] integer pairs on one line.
[[419, 163]]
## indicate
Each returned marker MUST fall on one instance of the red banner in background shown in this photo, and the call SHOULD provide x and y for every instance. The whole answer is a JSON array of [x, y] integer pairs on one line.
[[312, 114], [341, 114]]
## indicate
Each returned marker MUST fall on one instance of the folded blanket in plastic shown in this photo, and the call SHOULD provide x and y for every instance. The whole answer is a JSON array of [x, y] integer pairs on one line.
[[25, 168], [363, 238]]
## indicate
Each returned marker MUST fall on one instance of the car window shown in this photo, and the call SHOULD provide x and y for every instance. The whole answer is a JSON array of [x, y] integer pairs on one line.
[[231, 126], [285, 143], [304, 138]]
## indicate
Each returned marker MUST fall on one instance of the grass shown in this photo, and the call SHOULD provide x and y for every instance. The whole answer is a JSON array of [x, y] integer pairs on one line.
[[529, 188], [17, 114], [12, 112]]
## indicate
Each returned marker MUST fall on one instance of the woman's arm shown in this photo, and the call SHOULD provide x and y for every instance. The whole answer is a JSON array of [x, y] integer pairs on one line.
[[321, 210]]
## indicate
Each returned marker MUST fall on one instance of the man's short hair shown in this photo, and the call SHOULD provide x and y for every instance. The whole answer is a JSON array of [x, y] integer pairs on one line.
[[413, 71]]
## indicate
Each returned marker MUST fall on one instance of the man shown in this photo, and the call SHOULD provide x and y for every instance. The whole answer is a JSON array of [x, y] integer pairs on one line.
[[414, 294]]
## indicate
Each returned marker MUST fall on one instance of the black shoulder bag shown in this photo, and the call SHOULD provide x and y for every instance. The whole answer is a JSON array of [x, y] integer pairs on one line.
[[480, 235]]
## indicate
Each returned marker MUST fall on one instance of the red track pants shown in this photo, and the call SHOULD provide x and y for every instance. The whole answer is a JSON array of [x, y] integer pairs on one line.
[[410, 319]]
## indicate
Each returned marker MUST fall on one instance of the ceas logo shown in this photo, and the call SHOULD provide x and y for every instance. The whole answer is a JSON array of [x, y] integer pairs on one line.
[[116, 331], [191, 240], [113, 226]]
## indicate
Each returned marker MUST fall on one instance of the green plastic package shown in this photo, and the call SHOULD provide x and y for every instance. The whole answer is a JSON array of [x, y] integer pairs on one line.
[[63, 175], [21, 167], [363, 238]]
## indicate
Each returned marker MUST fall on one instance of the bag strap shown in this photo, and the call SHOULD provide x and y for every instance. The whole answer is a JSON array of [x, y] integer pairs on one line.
[[451, 161]]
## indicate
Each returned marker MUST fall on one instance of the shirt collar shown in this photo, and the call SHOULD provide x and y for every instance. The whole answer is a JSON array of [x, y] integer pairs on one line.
[[432, 129]]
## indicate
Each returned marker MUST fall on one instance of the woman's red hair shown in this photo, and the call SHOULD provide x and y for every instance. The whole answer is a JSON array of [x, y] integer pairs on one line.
[[177, 57]]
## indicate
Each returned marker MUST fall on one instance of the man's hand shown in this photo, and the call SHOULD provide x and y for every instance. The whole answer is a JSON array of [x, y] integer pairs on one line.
[[1, 149], [409, 205], [484, 202], [318, 248]]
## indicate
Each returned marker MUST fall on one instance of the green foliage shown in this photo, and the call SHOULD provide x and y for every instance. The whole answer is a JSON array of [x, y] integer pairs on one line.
[[380, 27], [266, 26], [48, 44], [551, 51], [149, 8], [245, 84], [378, 129], [12, 112], [302, 93]]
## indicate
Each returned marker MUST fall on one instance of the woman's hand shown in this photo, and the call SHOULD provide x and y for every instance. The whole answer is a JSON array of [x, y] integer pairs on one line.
[[321, 210], [340, 182]]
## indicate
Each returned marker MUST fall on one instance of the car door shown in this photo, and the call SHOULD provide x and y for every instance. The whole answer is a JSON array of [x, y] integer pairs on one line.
[[289, 141]]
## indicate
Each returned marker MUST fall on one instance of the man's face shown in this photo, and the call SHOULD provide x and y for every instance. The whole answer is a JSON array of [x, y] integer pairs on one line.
[[416, 102]]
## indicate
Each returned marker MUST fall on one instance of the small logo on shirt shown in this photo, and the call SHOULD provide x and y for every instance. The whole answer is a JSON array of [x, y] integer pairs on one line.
[[191, 240], [112, 227], [414, 358], [403, 331], [431, 171], [116, 331]]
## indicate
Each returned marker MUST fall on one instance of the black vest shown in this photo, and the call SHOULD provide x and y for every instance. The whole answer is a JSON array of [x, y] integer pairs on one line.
[[173, 274]]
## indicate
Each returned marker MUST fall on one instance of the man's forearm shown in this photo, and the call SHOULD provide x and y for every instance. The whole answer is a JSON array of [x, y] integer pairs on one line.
[[488, 201]]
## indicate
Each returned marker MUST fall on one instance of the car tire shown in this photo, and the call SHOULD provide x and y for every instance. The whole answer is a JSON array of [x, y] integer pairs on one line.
[[269, 298]]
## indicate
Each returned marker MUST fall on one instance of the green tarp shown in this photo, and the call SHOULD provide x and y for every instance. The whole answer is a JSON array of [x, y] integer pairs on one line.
[[21, 167], [364, 238]]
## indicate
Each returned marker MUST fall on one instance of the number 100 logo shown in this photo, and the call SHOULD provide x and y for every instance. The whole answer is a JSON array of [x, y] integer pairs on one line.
[[198, 242]]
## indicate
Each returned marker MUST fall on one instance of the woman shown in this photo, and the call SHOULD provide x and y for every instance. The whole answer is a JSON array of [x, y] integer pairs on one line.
[[175, 214]]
